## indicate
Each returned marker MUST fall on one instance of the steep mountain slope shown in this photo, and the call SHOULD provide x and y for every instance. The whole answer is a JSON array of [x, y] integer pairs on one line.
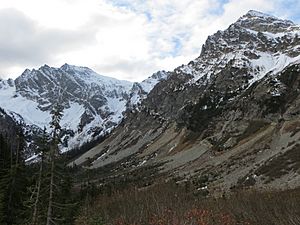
[[93, 104], [228, 119]]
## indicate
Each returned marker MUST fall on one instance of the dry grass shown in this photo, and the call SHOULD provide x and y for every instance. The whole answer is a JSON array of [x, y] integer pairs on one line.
[[168, 204]]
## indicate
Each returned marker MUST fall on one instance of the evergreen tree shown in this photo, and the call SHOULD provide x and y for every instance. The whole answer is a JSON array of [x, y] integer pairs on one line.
[[59, 207], [53, 154], [13, 181], [37, 202], [51, 198]]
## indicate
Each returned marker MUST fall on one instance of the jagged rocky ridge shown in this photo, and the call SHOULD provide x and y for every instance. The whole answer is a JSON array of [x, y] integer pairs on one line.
[[92, 104], [228, 119]]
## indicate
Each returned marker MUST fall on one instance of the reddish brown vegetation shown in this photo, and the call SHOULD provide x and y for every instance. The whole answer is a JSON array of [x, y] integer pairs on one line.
[[172, 205]]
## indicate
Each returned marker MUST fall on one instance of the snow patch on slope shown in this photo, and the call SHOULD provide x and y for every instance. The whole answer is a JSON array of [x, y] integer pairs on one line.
[[12, 102], [72, 116], [268, 63]]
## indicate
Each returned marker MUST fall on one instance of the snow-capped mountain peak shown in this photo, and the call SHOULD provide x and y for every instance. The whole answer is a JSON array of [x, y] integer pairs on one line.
[[262, 22], [257, 14], [256, 43], [93, 104]]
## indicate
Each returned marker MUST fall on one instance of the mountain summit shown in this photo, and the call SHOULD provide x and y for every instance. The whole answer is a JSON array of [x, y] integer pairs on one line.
[[256, 42], [93, 104]]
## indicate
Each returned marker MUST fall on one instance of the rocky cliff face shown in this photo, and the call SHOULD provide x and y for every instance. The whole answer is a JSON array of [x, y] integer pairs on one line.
[[93, 104], [231, 115]]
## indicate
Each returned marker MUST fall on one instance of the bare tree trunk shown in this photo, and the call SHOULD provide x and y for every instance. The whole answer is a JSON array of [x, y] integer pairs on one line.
[[17, 151], [51, 189], [35, 207]]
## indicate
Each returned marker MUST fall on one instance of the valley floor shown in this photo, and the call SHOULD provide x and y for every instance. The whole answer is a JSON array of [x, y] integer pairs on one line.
[[170, 204]]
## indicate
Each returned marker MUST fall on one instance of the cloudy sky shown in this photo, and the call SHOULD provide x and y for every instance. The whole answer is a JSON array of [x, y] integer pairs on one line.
[[126, 39]]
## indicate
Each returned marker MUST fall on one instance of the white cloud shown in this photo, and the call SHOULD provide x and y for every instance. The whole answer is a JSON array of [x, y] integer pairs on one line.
[[23, 42], [127, 39]]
